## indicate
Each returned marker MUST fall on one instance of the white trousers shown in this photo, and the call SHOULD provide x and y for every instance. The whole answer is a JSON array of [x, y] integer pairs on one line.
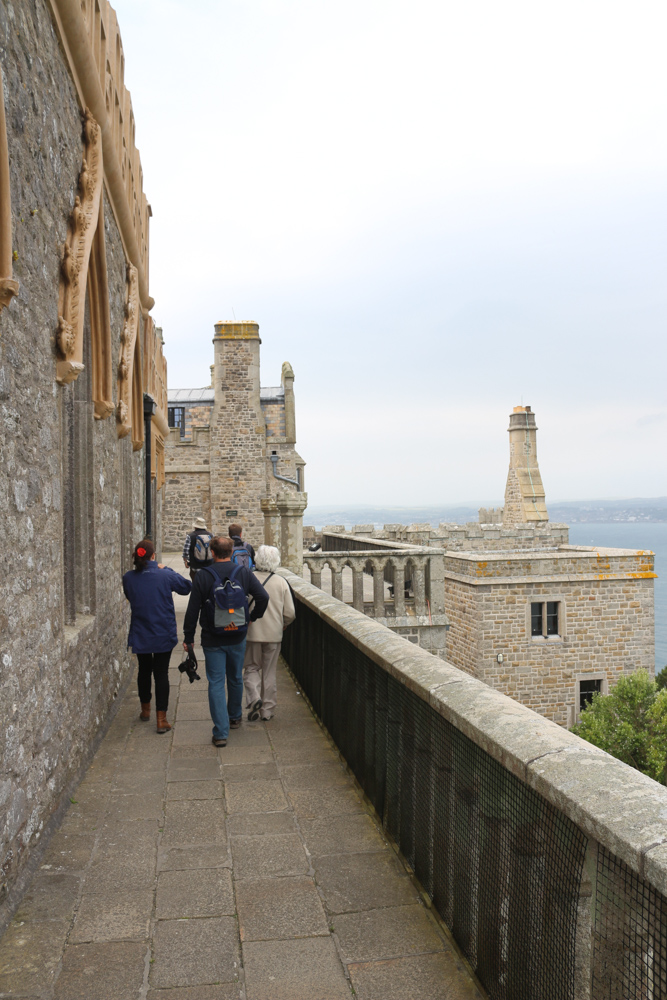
[[259, 675]]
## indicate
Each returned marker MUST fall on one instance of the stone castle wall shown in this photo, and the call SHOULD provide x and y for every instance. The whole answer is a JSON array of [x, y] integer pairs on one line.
[[274, 418], [188, 486], [197, 416], [225, 465], [58, 681]]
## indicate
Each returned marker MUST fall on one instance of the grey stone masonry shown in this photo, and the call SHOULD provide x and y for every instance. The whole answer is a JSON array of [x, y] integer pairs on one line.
[[238, 432], [71, 493]]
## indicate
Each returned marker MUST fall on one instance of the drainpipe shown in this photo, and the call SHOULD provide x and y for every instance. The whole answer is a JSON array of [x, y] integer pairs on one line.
[[274, 461], [149, 410]]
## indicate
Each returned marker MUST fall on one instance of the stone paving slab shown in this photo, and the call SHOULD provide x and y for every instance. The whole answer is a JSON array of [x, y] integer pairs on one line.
[[227, 992], [252, 872], [304, 969], [195, 952], [113, 916], [440, 977], [274, 908]]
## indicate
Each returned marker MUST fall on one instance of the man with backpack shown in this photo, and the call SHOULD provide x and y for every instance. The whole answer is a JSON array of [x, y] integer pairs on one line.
[[197, 548], [219, 599], [243, 553]]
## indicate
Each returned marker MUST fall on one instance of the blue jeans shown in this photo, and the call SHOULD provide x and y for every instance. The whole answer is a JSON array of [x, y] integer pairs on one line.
[[224, 663]]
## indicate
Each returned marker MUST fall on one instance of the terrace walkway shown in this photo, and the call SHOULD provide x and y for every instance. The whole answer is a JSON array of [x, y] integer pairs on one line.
[[182, 872]]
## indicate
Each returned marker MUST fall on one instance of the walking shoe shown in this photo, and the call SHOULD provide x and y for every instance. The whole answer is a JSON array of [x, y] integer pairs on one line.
[[234, 723], [253, 710], [266, 718], [145, 711], [218, 742], [162, 724]]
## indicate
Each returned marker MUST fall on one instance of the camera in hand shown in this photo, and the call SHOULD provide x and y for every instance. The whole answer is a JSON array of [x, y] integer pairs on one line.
[[189, 666]]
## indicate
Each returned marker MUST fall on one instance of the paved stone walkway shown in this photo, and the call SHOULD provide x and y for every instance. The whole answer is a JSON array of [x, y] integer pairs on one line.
[[182, 872]]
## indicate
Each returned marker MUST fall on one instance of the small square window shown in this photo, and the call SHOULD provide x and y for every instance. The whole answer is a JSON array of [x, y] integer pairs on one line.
[[586, 691], [545, 619]]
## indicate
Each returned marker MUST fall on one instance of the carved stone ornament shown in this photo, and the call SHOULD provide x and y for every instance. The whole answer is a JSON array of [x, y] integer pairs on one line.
[[128, 339], [76, 256], [8, 286]]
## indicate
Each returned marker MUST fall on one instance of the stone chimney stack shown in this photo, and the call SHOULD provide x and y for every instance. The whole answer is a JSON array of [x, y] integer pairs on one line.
[[287, 379], [238, 433], [524, 492]]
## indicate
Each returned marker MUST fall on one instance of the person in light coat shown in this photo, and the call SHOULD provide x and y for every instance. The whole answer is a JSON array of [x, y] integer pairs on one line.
[[265, 636]]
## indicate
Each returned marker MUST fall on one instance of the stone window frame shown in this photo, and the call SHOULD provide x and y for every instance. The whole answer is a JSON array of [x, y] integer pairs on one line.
[[562, 617], [171, 414], [573, 712]]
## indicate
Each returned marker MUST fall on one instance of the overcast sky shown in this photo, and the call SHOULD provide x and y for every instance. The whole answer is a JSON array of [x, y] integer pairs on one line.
[[435, 210]]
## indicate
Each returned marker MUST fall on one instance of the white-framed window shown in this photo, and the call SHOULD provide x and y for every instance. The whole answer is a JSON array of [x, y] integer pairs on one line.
[[547, 620]]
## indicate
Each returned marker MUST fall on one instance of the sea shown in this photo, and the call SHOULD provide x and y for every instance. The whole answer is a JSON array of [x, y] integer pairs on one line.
[[635, 535]]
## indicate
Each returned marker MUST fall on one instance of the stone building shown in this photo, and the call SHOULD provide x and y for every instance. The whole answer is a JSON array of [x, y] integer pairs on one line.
[[83, 401], [543, 621], [231, 453]]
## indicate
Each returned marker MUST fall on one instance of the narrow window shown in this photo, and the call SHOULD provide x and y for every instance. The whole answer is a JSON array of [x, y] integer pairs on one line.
[[586, 691], [176, 418], [552, 618], [545, 619], [78, 501], [536, 618]]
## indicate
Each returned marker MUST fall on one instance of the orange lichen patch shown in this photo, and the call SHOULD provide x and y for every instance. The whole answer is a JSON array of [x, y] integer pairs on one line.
[[647, 575]]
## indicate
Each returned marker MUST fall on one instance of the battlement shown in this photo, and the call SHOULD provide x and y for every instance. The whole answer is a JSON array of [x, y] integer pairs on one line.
[[470, 537]]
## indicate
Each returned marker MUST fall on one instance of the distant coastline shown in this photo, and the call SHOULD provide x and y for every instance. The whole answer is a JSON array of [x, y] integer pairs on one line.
[[640, 509]]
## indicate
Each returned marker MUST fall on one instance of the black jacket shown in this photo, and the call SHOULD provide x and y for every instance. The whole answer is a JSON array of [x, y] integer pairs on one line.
[[202, 588]]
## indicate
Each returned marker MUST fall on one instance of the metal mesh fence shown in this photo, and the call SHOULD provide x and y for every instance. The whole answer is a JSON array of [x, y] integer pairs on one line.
[[502, 866], [629, 934]]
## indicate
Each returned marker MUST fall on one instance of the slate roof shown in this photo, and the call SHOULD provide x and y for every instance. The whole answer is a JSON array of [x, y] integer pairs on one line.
[[268, 395], [272, 394], [191, 395]]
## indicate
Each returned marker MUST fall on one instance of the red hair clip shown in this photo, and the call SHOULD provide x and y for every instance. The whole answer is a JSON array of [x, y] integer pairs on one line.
[[141, 553]]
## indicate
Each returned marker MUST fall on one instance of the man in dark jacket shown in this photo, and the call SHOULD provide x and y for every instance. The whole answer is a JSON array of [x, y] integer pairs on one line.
[[190, 553], [224, 652]]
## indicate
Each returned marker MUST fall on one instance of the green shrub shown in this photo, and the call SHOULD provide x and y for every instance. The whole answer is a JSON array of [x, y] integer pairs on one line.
[[630, 723]]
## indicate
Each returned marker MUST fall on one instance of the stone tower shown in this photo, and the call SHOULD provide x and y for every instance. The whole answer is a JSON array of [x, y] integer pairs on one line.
[[524, 492], [238, 433]]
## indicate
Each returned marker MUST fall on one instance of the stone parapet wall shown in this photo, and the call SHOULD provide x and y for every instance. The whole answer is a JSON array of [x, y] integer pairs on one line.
[[611, 803], [568, 562], [487, 537]]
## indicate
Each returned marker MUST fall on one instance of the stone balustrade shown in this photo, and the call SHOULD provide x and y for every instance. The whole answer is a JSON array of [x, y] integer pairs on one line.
[[421, 569]]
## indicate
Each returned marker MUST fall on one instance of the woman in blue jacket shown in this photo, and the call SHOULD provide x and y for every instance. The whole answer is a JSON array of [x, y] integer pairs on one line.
[[148, 587]]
